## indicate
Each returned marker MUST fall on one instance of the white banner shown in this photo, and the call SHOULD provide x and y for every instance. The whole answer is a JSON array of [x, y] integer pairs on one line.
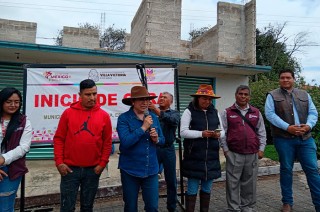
[[50, 91]]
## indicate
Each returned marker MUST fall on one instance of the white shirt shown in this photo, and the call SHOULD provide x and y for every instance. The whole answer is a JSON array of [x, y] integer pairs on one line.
[[185, 132], [22, 148]]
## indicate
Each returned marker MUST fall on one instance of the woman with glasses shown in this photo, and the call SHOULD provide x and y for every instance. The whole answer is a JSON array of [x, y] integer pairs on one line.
[[15, 140], [139, 132]]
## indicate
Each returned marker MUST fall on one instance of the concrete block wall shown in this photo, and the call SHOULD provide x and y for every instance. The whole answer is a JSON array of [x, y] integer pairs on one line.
[[250, 17], [206, 46], [19, 31], [137, 40], [234, 34], [80, 38], [156, 28], [231, 31], [232, 40]]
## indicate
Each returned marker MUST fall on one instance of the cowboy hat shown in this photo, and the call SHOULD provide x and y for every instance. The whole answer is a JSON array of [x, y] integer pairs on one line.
[[136, 93], [205, 90]]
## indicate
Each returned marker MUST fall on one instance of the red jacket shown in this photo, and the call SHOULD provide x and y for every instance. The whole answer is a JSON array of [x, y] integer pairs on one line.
[[83, 137]]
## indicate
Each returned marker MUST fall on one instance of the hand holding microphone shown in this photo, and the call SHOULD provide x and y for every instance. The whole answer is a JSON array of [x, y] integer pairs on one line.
[[147, 126], [147, 121]]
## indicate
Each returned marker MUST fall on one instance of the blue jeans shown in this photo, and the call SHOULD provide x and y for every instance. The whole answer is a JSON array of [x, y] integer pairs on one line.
[[305, 152], [8, 191], [167, 157], [87, 180], [130, 188], [193, 185]]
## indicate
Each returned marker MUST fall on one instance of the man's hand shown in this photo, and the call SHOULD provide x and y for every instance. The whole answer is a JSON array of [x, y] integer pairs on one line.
[[64, 169], [304, 127], [298, 130], [260, 154], [154, 109], [98, 169]]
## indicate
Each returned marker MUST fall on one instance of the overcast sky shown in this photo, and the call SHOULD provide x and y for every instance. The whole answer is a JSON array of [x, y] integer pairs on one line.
[[51, 16]]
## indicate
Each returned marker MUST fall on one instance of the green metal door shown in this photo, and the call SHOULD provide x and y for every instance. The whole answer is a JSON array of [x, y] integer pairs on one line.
[[11, 75], [187, 86]]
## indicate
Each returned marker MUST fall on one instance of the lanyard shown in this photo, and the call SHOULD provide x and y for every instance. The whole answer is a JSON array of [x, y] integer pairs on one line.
[[3, 128]]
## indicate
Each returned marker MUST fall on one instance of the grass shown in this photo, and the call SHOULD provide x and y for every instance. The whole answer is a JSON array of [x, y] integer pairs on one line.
[[270, 152]]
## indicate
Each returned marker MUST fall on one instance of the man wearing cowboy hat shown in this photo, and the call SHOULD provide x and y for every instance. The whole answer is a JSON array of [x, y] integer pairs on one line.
[[243, 144], [139, 132], [199, 128]]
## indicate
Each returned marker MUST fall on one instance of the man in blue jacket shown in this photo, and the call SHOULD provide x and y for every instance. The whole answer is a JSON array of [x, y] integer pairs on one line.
[[169, 120]]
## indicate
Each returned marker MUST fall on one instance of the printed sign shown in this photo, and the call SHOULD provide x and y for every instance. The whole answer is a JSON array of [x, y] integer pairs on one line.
[[49, 91]]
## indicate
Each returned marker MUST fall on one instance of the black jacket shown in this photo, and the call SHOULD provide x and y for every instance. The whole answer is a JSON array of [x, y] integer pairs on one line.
[[201, 155]]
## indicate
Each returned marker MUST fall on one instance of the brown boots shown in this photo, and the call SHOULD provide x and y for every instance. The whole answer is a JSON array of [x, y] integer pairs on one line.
[[204, 202], [190, 202]]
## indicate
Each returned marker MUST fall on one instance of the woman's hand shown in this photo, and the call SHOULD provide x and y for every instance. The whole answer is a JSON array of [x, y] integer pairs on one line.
[[210, 133], [2, 174], [2, 160], [147, 122], [154, 135], [216, 134], [207, 133]]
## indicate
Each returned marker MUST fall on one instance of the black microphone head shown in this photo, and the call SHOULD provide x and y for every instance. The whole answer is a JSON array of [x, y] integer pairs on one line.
[[146, 113]]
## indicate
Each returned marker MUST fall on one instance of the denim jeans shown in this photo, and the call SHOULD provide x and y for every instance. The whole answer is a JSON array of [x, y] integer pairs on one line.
[[305, 152], [87, 180], [167, 157], [130, 188], [193, 185], [8, 191]]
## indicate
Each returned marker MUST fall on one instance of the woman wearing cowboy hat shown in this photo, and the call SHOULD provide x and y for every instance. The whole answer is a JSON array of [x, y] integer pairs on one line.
[[139, 132], [201, 128]]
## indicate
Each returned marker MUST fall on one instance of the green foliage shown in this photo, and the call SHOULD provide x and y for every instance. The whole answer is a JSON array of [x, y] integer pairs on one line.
[[113, 39], [58, 39], [270, 152], [88, 26], [314, 92], [272, 50], [259, 90], [198, 32]]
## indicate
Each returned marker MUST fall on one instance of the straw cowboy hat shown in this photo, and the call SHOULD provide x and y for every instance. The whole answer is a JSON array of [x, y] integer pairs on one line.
[[136, 93], [205, 90]]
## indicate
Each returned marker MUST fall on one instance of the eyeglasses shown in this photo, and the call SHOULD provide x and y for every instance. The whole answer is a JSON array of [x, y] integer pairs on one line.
[[10, 102], [143, 99]]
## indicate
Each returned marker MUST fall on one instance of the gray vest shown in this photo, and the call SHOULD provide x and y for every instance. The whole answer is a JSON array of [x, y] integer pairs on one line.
[[283, 103]]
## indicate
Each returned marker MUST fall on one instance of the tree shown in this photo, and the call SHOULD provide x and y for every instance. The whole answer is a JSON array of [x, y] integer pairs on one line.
[[58, 39], [272, 49], [111, 38], [197, 32]]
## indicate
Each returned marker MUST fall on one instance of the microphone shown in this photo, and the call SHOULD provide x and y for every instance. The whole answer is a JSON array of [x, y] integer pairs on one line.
[[146, 113]]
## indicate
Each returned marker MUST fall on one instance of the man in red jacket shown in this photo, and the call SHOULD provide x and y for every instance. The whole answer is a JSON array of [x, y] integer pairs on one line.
[[82, 146]]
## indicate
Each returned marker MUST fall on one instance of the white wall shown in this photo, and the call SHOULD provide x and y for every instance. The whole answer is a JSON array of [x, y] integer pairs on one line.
[[226, 86]]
